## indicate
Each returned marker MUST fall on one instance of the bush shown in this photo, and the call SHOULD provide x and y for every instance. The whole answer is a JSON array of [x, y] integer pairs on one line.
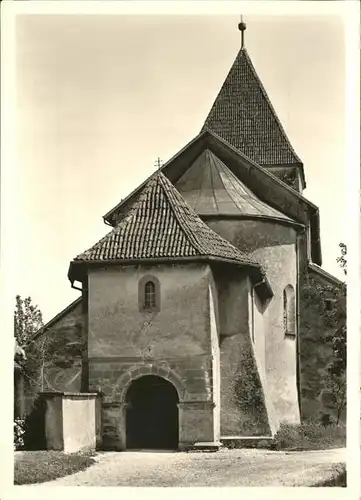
[[231, 444], [19, 432], [309, 436], [264, 443], [339, 479], [240, 443]]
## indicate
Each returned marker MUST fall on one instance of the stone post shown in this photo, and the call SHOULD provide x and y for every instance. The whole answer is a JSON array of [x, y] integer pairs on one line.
[[114, 426], [196, 425]]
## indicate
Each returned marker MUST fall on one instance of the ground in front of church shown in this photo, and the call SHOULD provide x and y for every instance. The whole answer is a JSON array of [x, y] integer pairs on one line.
[[246, 467]]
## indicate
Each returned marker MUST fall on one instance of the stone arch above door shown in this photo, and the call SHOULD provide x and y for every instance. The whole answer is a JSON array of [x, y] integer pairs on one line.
[[136, 372]]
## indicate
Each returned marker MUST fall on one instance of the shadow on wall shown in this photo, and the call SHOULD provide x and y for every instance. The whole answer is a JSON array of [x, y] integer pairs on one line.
[[34, 437]]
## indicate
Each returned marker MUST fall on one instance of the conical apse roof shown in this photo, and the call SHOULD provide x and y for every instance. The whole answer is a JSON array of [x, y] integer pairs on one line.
[[243, 115], [211, 188]]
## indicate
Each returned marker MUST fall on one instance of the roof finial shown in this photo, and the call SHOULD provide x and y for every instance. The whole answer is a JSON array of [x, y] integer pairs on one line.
[[242, 28]]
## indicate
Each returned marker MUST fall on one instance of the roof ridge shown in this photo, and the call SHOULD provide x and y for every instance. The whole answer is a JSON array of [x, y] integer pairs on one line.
[[198, 246], [235, 182], [268, 101], [244, 115], [54, 319], [215, 160], [163, 186], [211, 158], [205, 127], [188, 234], [128, 216]]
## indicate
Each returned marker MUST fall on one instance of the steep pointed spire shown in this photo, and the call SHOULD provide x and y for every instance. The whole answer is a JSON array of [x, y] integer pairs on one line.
[[243, 115]]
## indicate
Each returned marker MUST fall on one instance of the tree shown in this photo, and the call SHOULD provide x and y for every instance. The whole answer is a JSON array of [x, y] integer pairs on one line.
[[336, 371], [28, 320], [342, 260], [19, 355], [323, 338], [44, 350]]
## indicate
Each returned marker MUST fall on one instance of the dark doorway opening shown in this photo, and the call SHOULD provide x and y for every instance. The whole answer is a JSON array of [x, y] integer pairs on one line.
[[152, 414]]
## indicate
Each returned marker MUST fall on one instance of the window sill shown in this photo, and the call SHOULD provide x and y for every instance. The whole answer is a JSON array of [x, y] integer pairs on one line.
[[290, 335]]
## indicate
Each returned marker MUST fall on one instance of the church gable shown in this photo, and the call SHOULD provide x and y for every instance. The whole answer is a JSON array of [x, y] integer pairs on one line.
[[266, 186]]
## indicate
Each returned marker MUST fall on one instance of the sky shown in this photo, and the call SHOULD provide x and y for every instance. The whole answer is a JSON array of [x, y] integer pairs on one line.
[[99, 98]]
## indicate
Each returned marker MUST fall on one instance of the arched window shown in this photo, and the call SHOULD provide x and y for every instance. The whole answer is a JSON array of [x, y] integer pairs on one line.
[[289, 311], [149, 294]]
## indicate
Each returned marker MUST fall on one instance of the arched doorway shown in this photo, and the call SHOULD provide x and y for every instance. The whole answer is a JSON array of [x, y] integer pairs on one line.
[[152, 414]]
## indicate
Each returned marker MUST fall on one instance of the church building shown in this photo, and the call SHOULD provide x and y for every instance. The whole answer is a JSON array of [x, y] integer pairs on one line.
[[190, 313]]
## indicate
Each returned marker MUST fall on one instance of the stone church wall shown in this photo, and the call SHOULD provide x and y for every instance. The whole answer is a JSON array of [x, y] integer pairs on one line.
[[274, 246], [316, 351], [174, 340]]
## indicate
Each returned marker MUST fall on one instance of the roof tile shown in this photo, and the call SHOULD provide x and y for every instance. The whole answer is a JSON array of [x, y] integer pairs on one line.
[[243, 115], [160, 224]]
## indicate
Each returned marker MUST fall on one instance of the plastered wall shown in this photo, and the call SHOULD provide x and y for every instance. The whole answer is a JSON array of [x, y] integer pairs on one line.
[[274, 246], [243, 411]]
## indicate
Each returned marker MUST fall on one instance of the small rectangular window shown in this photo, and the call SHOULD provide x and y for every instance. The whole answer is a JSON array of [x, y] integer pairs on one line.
[[329, 304]]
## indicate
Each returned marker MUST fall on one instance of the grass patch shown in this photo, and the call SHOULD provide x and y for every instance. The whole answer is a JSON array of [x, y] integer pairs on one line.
[[309, 436], [337, 480], [33, 467]]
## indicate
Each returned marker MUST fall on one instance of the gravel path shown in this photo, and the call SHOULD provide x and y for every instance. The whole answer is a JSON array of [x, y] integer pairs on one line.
[[225, 468]]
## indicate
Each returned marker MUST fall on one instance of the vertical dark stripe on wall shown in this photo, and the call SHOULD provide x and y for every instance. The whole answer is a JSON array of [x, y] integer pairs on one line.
[[85, 360], [252, 312], [298, 326]]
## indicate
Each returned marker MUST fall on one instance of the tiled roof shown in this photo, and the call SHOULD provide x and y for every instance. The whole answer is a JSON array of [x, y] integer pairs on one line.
[[211, 188], [160, 224], [243, 115]]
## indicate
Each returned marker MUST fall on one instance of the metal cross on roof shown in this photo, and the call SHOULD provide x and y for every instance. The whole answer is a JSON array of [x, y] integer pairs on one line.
[[158, 163]]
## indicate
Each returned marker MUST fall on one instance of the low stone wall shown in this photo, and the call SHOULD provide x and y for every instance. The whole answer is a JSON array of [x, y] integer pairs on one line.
[[72, 421]]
